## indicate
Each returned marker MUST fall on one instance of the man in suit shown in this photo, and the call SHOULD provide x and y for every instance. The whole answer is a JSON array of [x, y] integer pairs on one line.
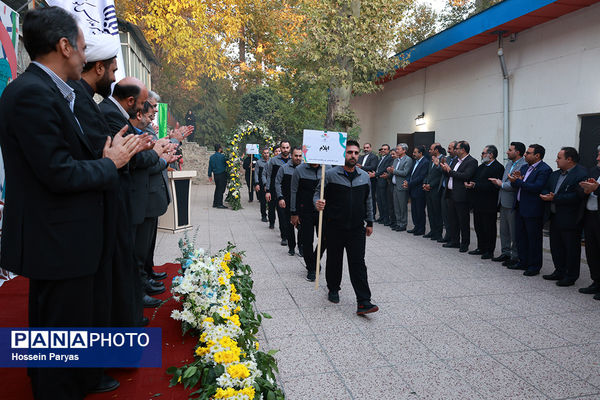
[[566, 205], [461, 170], [390, 190], [259, 186], [508, 233], [400, 171], [484, 197], [591, 227], [218, 171], [53, 226], [432, 185], [414, 184], [368, 162], [446, 160], [529, 182], [382, 182]]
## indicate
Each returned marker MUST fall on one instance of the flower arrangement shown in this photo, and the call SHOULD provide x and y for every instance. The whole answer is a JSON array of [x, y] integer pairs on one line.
[[217, 300], [234, 159]]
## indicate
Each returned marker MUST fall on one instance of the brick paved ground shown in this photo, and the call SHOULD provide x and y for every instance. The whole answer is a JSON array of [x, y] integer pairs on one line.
[[451, 326]]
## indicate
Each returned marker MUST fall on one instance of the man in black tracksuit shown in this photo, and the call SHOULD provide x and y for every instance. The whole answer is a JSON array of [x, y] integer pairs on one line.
[[347, 206], [260, 187], [269, 178], [283, 183], [304, 181]]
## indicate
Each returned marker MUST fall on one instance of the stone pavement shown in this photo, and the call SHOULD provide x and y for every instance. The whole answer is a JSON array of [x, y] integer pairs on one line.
[[450, 325]]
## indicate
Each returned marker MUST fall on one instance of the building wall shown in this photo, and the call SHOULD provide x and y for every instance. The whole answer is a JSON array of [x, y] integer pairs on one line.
[[136, 63], [554, 78]]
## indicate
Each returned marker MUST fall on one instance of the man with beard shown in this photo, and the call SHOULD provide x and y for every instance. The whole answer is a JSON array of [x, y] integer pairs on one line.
[[304, 181], [283, 182], [347, 206], [270, 173], [259, 186]]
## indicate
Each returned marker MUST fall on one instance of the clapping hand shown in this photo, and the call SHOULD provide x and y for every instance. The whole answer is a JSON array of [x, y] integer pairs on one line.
[[446, 167], [495, 181], [589, 186], [469, 185], [121, 148], [426, 187], [547, 197], [181, 132], [390, 169]]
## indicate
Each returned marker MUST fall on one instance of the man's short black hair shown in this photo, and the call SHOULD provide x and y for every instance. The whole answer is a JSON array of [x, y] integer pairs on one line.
[[296, 148], [520, 147], [538, 149], [571, 153], [218, 147], [421, 149], [92, 64], [122, 92], [493, 150], [385, 144], [44, 27], [440, 149], [352, 143], [464, 145], [284, 141]]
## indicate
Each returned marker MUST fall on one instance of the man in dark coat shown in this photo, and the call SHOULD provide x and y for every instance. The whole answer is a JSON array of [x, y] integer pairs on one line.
[[484, 199], [368, 163], [591, 227], [432, 185], [414, 184], [53, 227]]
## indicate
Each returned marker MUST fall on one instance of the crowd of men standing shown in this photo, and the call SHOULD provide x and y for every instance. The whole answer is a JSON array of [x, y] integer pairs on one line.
[[86, 183]]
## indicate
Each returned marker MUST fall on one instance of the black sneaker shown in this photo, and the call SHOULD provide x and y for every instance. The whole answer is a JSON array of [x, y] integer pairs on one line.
[[291, 252], [333, 297], [366, 309], [264, 219], [311, 276], [271, 226], [300, 252], [283, 242]]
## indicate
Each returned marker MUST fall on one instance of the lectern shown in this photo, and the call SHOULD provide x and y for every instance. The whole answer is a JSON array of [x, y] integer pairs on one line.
[[178, 216]]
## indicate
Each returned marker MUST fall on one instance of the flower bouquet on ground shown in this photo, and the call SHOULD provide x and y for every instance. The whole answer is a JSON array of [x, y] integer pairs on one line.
[[217, 304]]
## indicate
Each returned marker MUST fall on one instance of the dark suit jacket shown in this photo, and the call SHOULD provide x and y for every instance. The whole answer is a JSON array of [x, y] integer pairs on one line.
[[415, 181], [371, 164], [383, 164], [52, 227], [434, 178], [138, 166], [531, 205], [484, 196], [593, 173], [463, 174], [567, 208], [159, 195]]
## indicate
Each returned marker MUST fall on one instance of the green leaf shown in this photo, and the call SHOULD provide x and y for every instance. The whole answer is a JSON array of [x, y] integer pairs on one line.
[[273, 352], [189, 372]]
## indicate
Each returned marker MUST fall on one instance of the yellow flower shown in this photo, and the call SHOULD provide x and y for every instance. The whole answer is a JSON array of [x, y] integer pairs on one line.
[[179, 380], [221, 280], [203, 337], [227, 357], [248, 391], [256, 345], [225, 393], [237, 310], [239, 371], [235, 297], [227, 256], [228, 342], [235, 319], [208, 319], [200, 351]]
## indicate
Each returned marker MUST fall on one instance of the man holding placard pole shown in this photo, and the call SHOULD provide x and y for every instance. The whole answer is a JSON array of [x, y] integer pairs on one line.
[[344, 195]]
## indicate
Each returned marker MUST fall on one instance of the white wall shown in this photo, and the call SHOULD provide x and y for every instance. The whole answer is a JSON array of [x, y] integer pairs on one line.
[[555, 77]]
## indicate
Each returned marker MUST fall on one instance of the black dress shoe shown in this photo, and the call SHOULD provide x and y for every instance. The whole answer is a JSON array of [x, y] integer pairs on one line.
[[565, 282], [264, 219], [531, 272], [442, 240], [222, 207], [283, 242], [592, 289], [401, 229], [476, 252], [410, 231], [145, 321], [501, 257], [451, 245], [427, 235], [153, 290], [487, 256], [463, 249], [387, 224], [150, 302], [509, 263], [418, 233], [107, 384], [553, 276], [517, 266], [446, 239], [156, 283], [157, 276], [271, 226], [597, 296], [437, 238]]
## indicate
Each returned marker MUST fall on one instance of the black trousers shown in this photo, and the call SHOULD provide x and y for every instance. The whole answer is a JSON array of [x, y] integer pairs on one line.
[[220, 185], [591, 228], [250, 188], [433, 200], [353, 240], [263, 202], [374, 195], [273, 213], [382, 203], [289, 232], [485, 229], [144, 246], [459, 222], [565, 246], [310, 224], [63, 303], [149, 266], [530, 241], [417, 211], [390, 203]]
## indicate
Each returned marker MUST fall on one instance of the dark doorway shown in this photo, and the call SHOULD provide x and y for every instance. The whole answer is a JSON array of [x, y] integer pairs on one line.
[[589, 139], [416, 139]]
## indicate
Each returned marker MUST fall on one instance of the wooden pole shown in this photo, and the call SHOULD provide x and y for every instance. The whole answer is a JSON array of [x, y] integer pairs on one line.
[[251, 173], [320, 228]]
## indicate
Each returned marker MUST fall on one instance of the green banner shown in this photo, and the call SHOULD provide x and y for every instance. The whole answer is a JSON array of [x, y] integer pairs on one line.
[[163, 118]]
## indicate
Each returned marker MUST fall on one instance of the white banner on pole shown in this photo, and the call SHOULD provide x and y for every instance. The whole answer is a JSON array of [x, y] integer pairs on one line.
[[252, 149], [94, 17], [324, 147]]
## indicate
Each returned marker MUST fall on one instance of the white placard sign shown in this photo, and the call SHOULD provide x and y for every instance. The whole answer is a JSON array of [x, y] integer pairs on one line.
[[324, 147], [252, 149]]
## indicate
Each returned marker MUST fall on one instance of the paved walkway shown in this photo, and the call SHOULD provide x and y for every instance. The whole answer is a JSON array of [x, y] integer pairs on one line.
[[450, 325]]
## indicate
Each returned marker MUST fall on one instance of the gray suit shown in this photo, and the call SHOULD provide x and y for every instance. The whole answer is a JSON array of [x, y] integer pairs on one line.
[[402, 169], [508, 234]]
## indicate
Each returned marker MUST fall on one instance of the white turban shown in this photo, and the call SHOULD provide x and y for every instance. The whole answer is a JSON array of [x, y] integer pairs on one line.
[[101, 47]]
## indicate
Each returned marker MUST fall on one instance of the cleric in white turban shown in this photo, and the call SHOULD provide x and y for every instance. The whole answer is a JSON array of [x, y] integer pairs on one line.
[[101, 47]]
